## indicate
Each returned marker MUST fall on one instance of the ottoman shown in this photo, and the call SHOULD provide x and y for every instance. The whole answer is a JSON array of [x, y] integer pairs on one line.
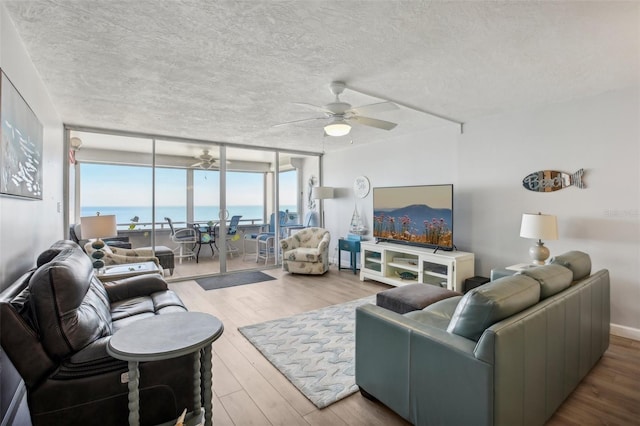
[[412, 297], [165, 257]]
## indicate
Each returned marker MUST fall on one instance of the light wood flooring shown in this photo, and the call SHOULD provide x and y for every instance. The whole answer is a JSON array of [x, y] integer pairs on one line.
[[248, 390]]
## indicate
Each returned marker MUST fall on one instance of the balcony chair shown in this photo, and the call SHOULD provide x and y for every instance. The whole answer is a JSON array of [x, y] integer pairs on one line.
[[232, 235], [310, 221], [186, 239], [265, 241], [306, 252]]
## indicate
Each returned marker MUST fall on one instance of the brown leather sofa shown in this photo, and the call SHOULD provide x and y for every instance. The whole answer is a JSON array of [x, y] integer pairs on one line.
[[56, 322]]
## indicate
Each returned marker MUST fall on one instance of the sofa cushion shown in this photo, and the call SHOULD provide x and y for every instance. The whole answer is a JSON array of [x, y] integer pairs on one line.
[[493, 302], [303, 254], [552, 278], [438, 314], [126, 311], [578, 262], [69, 305]]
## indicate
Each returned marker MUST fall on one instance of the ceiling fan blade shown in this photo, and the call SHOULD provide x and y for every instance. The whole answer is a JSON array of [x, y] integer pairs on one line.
[[299, 121], [198, 164], [373, 122], [374, 108], [313, 107]]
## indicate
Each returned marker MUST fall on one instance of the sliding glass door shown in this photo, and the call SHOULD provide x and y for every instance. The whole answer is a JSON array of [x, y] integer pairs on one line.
[[218, 197]]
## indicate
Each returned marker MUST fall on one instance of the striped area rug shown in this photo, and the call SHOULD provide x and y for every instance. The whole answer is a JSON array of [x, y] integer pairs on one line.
[[315, 350]]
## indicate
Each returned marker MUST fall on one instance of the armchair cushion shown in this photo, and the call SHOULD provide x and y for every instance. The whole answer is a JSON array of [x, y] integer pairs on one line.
[[303, 254]]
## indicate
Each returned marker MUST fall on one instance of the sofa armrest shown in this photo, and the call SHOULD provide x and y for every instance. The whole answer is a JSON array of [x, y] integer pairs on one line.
[[421, 372], [324, 243], [140, 285], [23, 346], [289, 243]]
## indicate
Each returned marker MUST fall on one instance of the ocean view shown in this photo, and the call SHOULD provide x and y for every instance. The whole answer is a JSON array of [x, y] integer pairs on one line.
[[177, 214]]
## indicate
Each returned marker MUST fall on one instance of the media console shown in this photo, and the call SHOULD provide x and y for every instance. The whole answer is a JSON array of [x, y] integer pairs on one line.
[[398, 264]]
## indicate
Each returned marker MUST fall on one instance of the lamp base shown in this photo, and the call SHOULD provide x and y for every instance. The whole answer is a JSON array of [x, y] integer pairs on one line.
[[98, 254], [539, 253]]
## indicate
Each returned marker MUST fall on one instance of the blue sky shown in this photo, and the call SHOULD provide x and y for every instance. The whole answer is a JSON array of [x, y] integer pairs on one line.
[[109, 185]]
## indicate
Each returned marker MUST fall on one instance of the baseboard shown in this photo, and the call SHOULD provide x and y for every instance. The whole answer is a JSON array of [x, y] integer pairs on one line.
[[624, 331]]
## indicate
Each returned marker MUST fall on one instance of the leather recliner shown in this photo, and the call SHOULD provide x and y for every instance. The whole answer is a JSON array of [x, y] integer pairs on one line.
[[56, 322]]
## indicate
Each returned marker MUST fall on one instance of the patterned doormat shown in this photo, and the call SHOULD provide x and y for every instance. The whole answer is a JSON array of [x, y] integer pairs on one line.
[[232, 280], [314, 350]]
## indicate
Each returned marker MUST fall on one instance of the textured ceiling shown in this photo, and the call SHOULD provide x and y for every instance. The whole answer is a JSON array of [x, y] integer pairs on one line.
[[227, 71]]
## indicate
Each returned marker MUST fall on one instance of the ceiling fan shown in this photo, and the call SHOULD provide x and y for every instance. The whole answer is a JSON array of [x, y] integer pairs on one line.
[[339, 116], [206, 161]]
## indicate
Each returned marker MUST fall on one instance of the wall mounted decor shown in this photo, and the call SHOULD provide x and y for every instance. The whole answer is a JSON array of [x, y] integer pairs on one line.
[[21, 146], [311, 202], [552, 180], [361, 186]]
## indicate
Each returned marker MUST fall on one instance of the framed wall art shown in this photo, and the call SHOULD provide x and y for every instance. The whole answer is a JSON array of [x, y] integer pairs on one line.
[[21, 145]]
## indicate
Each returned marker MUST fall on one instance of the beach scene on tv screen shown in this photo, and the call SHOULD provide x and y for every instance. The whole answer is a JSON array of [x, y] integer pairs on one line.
[[416, 215]]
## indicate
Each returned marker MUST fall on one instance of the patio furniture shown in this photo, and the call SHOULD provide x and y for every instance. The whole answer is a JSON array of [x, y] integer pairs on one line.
[[186, 239], [204, 235], [232, 235], [265, 241]]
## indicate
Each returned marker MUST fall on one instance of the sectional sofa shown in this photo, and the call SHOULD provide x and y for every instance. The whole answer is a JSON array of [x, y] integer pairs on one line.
[[506, 353]]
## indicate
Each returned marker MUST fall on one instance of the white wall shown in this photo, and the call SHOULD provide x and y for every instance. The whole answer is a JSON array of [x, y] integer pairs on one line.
[[27, 227], [487, 164]]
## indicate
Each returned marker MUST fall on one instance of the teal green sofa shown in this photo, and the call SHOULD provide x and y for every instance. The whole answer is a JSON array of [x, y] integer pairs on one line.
[[506, 353]]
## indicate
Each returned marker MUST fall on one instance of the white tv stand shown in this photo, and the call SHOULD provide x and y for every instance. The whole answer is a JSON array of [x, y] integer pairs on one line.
[[398, 264]]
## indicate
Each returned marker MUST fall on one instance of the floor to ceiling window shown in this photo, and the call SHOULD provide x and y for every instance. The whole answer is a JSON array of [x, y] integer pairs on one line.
[[144, 181]]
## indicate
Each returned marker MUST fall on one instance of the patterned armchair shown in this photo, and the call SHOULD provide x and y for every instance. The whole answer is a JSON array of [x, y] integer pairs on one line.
[[306, 252], [118, 256]]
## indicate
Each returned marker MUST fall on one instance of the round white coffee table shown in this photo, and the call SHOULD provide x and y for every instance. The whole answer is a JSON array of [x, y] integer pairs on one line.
[[163, 337]]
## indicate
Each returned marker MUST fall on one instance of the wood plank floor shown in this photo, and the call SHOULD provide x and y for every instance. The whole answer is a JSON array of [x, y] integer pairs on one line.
[[248, 390]]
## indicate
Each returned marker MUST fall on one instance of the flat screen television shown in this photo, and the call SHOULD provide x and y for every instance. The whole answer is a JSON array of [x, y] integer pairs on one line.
[[417, 215]]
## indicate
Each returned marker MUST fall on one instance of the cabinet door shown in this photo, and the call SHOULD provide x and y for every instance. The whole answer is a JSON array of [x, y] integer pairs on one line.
[[371, 260], [437, 273]]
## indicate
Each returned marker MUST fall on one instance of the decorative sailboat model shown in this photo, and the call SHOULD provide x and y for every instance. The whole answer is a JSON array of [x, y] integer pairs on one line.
[[357, 226]]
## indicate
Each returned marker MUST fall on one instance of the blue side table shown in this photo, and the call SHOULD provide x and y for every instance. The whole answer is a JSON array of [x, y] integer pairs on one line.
[[353, 247]]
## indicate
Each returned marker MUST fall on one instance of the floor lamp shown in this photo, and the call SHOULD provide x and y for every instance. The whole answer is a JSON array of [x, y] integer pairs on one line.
[[321, 193]]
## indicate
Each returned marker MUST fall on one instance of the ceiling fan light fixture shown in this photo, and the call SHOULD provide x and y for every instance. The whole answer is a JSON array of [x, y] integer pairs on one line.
[[337, 128]]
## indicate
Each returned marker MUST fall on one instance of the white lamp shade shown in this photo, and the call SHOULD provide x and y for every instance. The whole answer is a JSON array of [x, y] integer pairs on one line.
[[539, 226], [321, 192], [98, 226]]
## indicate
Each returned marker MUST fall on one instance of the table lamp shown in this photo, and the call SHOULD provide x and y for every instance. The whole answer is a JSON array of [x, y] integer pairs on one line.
[[539, 226], [322, 193], [98, 227]]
